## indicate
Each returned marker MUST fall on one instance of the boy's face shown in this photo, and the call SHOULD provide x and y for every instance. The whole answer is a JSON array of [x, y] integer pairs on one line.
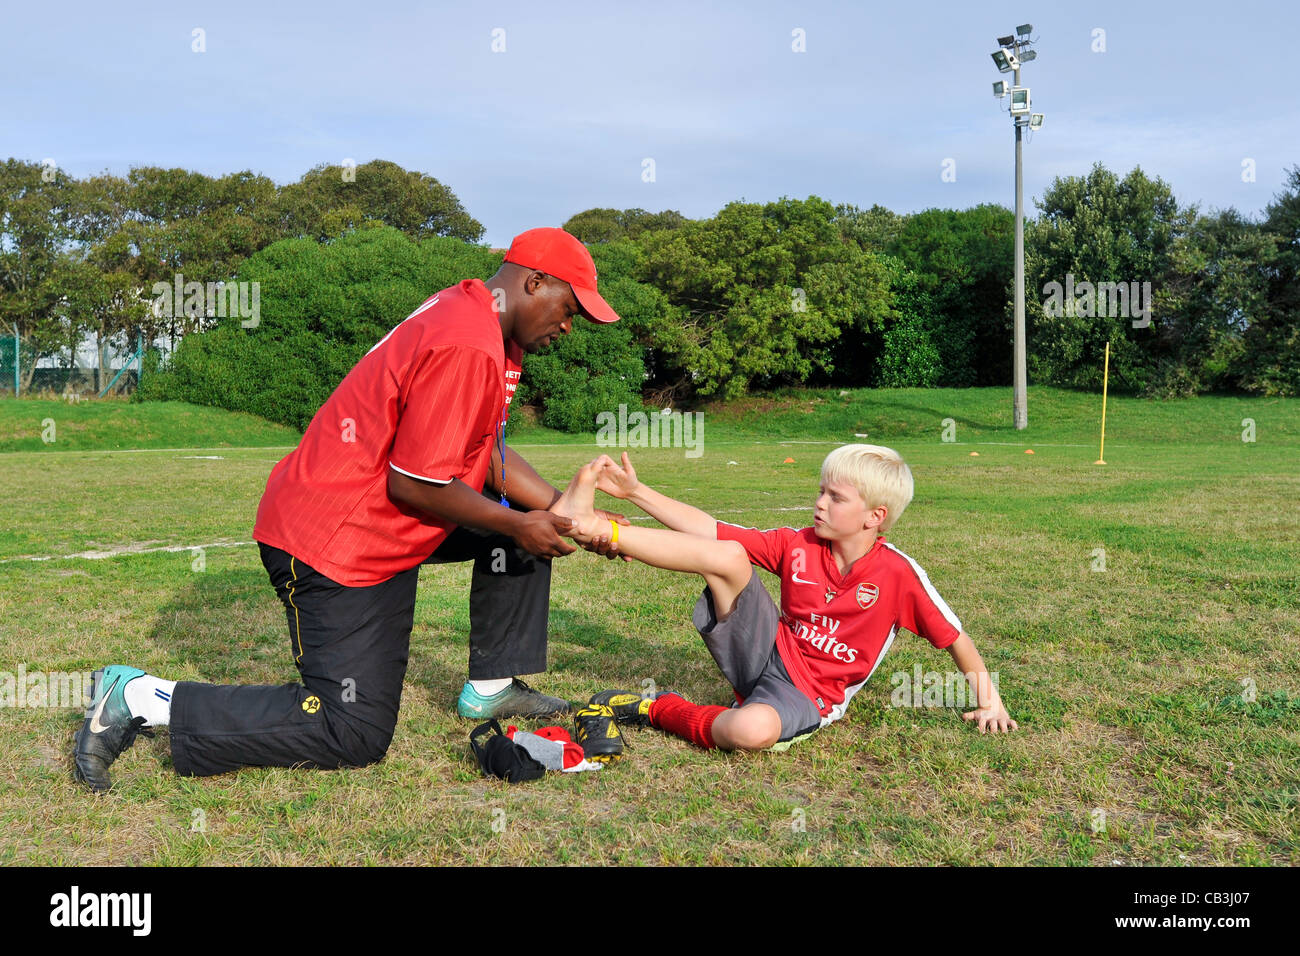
[[840, 512]]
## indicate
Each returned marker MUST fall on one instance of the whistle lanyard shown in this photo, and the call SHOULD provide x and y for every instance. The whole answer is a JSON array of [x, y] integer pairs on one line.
[[501, 451]]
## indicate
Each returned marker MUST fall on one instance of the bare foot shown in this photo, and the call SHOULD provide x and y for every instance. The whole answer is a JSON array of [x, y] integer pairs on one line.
[[578, 501]]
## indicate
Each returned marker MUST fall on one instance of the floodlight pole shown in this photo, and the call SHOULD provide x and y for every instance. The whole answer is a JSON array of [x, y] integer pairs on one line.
[[1020, 397]]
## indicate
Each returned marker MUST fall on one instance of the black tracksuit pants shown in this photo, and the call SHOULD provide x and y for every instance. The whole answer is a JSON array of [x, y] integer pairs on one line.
[[351, 646]]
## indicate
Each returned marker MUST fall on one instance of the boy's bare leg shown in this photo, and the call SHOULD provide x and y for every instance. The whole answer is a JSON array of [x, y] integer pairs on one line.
[[724, 565]]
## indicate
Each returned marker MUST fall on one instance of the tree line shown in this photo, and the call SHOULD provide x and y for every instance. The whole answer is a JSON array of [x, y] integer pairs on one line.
[[81, 257], [760, 295]]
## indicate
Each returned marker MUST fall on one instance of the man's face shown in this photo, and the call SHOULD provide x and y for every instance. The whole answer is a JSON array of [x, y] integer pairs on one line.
[[549, 309]]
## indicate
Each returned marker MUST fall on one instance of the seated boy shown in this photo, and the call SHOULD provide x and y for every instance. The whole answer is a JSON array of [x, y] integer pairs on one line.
[[844, 593]]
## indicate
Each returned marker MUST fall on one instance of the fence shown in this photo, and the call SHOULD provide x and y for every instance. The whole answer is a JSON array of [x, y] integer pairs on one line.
[[21, 374], [17, 359]]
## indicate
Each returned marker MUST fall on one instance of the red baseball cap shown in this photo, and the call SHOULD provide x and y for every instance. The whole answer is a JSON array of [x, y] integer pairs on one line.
[[559, 254]]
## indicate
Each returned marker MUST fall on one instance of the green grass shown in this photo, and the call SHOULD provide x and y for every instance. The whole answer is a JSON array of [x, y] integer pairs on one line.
[[984, 415], [1163, 691], [50, 425]]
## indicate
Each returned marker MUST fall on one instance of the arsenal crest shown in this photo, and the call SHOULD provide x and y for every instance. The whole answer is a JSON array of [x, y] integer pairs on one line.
[[867, 594]]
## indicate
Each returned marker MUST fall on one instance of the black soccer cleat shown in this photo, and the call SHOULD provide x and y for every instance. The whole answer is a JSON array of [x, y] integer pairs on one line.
[[109, 728], [597, 733], [628, 706]]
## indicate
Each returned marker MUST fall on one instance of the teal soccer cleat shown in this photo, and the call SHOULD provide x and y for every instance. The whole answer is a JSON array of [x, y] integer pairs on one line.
[[109, 728]]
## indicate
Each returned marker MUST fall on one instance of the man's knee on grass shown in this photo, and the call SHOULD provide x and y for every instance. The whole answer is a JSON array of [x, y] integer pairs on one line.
[[356, 743], [363, 753], [751, 727]]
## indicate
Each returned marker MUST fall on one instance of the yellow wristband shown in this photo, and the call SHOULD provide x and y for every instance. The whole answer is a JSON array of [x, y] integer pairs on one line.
[[614, 524]]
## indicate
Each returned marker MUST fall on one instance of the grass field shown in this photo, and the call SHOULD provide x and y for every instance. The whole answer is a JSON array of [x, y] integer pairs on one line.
[[1158, 700]]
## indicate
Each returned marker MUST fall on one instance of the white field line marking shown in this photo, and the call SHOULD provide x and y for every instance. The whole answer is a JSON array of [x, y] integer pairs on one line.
[[1025, 444], [732, 444], [135, 451], [592, 444], [141, 548], [734, 511]]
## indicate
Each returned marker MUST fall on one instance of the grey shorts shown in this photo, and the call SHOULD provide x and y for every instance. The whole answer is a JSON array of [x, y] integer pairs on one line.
[[744, 647]]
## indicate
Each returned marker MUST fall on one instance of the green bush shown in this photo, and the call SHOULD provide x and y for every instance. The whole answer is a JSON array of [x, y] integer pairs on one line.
[[596, 368], [324, 305], [909, 358]]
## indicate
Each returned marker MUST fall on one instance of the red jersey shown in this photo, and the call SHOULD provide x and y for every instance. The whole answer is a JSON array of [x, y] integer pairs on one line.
[[834, 628], [427, 400]]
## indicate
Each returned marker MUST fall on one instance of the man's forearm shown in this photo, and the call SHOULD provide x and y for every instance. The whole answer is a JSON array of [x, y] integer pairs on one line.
[[537, 532], [455, 502], [525, 488]]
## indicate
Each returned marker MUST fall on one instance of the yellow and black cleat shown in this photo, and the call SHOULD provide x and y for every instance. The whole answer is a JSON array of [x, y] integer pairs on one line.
[[597, 733], [628, 706]]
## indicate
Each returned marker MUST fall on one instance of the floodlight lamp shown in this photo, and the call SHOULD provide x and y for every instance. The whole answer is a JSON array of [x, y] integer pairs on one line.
[[1019, 100], [1005, 61], [1024, 29], [1036, 121], [1006, 41], [1027, 55], [1000, 88]]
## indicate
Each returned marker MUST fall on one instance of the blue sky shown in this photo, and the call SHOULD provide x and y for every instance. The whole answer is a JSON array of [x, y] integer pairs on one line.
[[583, 93]]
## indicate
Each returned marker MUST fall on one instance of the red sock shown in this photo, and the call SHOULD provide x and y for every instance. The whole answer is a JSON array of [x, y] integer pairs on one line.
[[693, 722]]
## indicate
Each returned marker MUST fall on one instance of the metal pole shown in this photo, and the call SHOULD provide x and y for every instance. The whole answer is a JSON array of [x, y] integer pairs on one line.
[[1105, 381], [16, 352], [1020, 398]]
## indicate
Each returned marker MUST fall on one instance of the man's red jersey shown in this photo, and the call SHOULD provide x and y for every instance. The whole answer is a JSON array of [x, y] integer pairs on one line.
[[835, 629], [427, 400]]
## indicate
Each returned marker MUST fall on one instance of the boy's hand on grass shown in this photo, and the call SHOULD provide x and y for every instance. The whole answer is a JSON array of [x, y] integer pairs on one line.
[[618, 482], [992, 719]]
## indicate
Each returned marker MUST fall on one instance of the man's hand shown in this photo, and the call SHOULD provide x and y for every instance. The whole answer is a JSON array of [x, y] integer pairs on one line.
[[539, 534], [618, 482], [605, 545], [993, 719]]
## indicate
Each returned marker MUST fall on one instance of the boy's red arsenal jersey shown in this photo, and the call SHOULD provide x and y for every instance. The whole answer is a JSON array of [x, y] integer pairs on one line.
[[427, 400], [835, 629]]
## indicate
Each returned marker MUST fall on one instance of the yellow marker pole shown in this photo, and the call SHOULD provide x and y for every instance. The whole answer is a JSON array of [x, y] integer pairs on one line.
[[1105, 381]]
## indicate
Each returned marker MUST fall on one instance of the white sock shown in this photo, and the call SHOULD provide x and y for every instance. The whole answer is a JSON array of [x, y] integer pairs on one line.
[[151, 698], [486, 688]]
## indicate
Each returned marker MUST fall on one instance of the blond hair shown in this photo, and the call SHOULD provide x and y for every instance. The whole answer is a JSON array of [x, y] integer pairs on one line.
[[878, 473]]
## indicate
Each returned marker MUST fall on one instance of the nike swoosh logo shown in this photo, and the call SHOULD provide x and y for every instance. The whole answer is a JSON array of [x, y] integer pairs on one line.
[[95, 726], [473, 706], [798, 580]]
